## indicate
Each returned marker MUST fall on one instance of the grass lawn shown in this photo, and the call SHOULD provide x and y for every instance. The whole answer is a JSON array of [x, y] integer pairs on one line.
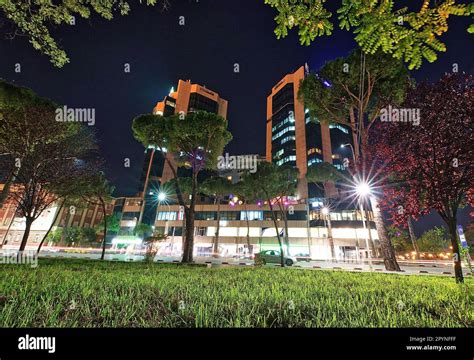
[[86, 293]]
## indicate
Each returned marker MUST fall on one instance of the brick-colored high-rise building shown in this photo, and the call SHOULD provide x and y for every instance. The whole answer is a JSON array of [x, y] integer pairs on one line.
[[188, 97], [294, 139]]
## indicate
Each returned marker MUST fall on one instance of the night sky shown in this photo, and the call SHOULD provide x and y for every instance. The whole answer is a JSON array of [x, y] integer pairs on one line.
[[216, 35]]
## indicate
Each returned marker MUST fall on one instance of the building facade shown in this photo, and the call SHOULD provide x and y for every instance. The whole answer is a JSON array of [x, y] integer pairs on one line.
[[294, 138], [188, 97], [12, 227], [247, 229]]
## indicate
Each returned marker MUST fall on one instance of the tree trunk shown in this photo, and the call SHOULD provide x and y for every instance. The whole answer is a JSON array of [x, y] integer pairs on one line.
[[388, 252], [330, 238], [308, 228], [181, 202], [8, 229], [282, 262], [50, 227], [285, 224], [26, 234], [189, 239], [105, 229], [413, 237], [190, 212], [354, 133], [248, 226], [287, 239], [456, 252], [386, 247], [215, 250], [7, 186], [375, 251], [66, 226]]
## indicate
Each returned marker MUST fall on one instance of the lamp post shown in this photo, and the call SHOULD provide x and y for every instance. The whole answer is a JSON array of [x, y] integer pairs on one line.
[[308, 229], [327, 219], [363, 191], [161, 199], [365, 188], [352, 150]]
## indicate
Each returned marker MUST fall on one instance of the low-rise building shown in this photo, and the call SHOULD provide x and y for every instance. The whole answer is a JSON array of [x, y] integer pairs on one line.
[[12, 226], [247, 229]]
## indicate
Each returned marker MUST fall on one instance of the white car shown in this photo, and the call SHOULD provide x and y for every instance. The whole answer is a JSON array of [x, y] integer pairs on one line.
[[273, 257]]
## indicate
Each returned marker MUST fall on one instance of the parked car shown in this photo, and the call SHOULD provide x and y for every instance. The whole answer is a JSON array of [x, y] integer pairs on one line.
[[302, 257], [273, 257]]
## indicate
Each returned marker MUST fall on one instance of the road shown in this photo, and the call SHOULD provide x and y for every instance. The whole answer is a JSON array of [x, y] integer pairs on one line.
[[422, 267]]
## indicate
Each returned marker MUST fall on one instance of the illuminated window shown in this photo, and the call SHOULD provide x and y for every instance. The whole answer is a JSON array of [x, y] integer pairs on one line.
[[289, 119], [348, 215], [314, 161], [278, 153], [166, 215], [230, 215], [286, 159], [284, 131], [251, 215], [288, 138], [339, 127], [201, 231], [314, 150]]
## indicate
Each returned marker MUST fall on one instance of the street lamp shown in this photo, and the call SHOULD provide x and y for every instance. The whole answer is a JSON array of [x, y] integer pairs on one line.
[[162, 199], [352, 150], [363, 190], [161, 196]]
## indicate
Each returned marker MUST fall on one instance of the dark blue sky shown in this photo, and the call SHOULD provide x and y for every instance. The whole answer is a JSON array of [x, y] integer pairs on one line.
[[216, 35]]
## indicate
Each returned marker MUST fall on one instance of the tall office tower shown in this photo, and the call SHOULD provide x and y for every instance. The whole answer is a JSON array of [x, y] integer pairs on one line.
[[294, 139], [187, 98]]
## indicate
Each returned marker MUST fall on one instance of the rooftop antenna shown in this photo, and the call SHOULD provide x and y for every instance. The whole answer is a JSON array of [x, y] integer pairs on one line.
[[306, 69]]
